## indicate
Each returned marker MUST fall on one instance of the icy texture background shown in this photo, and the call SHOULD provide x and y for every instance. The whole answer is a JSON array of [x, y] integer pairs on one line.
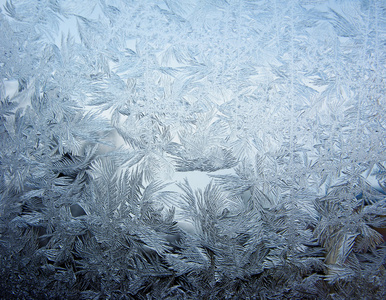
[[274, 112]]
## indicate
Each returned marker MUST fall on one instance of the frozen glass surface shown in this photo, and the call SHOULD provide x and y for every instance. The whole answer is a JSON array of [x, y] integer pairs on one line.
[[192, 149]]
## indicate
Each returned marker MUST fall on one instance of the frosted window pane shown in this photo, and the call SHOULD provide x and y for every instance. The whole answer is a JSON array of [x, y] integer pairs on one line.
[[192, 149]]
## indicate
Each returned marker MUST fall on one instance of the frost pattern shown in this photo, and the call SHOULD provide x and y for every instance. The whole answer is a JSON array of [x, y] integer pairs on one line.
[[105, 104]]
